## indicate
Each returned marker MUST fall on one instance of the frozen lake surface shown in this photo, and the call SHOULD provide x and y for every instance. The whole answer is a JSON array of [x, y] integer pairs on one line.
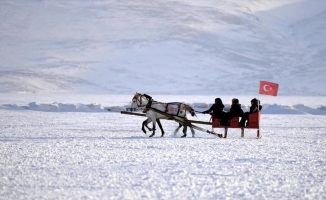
[[105, 155]]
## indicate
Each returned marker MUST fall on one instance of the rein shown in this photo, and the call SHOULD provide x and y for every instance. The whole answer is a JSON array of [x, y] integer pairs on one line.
[[197, 111]]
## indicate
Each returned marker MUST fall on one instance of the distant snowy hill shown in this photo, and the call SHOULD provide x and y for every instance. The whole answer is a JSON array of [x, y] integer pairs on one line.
[[163, 47]]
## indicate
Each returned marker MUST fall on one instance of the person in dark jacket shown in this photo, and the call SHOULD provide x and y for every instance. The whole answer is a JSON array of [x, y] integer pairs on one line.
[[253, 108], [235, 110], [217, 109]]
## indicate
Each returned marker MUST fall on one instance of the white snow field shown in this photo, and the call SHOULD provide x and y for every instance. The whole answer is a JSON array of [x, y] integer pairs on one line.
[[90, 153]]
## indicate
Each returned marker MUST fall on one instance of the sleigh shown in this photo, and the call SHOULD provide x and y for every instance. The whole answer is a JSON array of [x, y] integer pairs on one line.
[[253, 123]]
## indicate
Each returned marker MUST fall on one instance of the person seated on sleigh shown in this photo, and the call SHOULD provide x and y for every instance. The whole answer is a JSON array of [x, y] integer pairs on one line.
[[255, 107], [235, 111], [216, 110]]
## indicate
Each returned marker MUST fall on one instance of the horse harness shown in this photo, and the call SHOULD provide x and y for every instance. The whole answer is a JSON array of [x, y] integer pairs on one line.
[[171, 116]]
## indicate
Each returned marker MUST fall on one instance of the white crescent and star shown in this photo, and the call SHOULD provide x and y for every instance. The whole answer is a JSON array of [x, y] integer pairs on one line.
[[267, 88]]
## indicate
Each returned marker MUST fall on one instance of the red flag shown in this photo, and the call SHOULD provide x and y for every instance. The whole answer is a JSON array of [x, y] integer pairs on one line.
[[268, 88]]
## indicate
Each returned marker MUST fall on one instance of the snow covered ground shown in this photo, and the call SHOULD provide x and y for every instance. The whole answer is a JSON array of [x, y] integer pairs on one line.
[[91, 153]]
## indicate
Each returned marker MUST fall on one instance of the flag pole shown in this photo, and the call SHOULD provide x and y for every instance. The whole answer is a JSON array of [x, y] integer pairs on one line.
[[258, 95]]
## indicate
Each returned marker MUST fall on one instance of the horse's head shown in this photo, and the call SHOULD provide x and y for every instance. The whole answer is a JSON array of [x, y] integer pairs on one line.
[[135, 100], [139, 100], [189, 109], [192, 112]]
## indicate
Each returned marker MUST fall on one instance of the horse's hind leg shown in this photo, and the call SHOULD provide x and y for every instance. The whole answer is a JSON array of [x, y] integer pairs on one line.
[[176, 130], [184, 131], [160, 125], [192, 131]]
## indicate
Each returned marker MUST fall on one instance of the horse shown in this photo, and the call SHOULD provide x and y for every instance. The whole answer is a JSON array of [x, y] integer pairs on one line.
[[158, 110]]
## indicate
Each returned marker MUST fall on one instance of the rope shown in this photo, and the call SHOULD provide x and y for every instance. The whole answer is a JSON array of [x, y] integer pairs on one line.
[[197, 111]]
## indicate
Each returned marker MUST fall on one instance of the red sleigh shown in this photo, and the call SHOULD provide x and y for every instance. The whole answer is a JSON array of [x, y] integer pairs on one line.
[[253, 123]]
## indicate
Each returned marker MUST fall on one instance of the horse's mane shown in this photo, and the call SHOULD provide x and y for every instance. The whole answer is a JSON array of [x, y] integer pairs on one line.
[[137, 95]]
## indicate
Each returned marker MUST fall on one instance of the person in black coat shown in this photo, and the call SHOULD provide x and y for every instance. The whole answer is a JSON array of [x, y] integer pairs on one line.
[[253, 108], [217, 109], [235, 110]]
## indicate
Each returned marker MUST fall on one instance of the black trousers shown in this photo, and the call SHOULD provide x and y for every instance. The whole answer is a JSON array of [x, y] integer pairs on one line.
[[223, 117], [244, 118]]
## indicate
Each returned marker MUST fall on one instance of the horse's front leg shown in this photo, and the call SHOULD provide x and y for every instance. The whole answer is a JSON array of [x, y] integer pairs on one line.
[[154, 127], [145, 124], [160, 125]]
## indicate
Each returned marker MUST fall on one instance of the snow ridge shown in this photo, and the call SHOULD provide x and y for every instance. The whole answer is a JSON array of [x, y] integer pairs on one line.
[[299, 109]]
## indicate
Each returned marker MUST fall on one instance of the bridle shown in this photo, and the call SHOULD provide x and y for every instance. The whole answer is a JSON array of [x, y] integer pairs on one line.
[[139, 101]]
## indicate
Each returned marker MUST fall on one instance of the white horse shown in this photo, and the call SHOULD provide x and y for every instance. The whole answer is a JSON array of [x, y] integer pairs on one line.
[[157, 110]]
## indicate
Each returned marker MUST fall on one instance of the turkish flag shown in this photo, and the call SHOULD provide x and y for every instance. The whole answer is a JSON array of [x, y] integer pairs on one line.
[[268, 88]]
